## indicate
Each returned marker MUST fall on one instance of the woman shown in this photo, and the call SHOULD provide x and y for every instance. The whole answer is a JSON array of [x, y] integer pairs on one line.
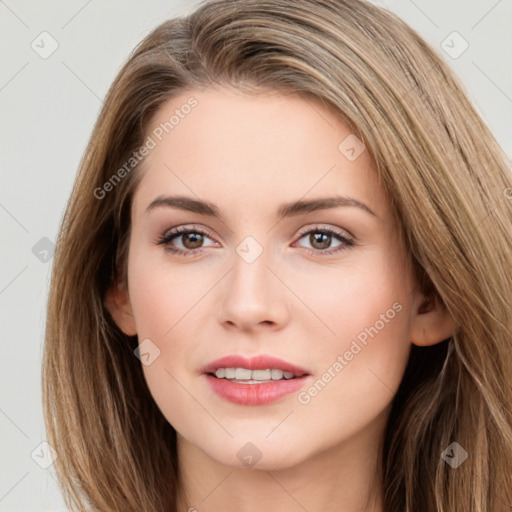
[[199, 356]]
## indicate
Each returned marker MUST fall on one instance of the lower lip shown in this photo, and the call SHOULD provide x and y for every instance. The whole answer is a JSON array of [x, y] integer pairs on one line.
[[255, 394]]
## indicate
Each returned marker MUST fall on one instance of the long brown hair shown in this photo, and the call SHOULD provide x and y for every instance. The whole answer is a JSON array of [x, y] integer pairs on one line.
[[451, 191]]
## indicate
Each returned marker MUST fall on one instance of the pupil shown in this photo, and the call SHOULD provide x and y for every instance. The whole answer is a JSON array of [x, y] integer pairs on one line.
[[195, 243], [316, 238]]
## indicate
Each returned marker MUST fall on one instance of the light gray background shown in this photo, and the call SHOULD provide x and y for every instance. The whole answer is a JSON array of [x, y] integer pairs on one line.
[[48, 108]]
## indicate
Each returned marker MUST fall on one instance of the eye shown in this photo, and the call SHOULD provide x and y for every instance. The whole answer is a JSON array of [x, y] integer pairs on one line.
[[191, 243], [320, 238], [191, 240]]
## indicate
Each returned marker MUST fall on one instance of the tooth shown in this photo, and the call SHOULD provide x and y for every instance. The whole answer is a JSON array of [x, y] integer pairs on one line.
[[261, 374], [242, 373], [277, 374], [252, 375]]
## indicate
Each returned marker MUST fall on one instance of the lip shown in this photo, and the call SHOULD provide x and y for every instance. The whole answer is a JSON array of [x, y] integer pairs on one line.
[[260, 362], [254, 394]]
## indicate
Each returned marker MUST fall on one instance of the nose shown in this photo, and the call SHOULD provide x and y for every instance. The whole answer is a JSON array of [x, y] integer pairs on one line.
[[252, 296]]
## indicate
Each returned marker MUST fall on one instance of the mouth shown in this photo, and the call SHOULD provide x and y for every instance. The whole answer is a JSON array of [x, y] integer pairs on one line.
[[254, 381], [247, 376]]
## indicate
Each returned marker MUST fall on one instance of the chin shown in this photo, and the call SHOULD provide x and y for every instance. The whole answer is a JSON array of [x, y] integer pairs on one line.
[[259, 454]]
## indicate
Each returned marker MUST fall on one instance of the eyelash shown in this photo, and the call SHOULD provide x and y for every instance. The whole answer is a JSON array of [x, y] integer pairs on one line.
[[166, 238]]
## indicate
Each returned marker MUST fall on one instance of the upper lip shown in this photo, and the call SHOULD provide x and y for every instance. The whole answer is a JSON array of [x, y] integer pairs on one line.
[[260, 362]]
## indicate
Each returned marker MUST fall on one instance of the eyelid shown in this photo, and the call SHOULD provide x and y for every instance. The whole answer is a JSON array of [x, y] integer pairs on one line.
[[326, 227], [192, 227], [178, 230]]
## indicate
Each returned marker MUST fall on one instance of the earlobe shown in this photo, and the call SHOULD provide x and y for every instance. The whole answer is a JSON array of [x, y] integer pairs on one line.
[[432, 323], [117, 302]]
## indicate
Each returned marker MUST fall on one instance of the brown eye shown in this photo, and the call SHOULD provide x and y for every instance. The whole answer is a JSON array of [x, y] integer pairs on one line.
[[320, 240], [192, 240], [184, 241]]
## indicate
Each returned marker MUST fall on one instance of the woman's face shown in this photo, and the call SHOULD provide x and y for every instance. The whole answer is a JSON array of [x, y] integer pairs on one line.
[[270, 274]]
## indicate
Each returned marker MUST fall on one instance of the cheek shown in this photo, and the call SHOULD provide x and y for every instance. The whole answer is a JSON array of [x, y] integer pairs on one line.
[[364, 346], [168, 309], [163, 296], [367, 357], [359, 370], [366, 302]]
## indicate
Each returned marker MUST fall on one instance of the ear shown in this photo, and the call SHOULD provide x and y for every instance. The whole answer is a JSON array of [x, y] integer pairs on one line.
[[432, 323], [117, 301]]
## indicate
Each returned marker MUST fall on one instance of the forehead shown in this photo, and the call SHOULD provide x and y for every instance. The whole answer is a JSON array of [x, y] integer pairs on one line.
[[252, 150]]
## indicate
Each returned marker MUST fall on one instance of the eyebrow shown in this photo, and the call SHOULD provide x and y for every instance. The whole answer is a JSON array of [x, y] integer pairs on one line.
[[285, 210]]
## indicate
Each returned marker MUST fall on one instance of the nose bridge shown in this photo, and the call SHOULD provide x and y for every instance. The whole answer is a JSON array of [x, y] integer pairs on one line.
[[251, 294], [250, 273]]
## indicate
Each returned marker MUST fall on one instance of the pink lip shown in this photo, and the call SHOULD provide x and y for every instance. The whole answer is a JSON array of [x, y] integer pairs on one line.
[[261, 362], [254, 394]]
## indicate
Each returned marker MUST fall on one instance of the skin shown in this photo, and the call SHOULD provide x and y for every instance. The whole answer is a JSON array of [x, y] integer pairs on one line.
[[248, 155]]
